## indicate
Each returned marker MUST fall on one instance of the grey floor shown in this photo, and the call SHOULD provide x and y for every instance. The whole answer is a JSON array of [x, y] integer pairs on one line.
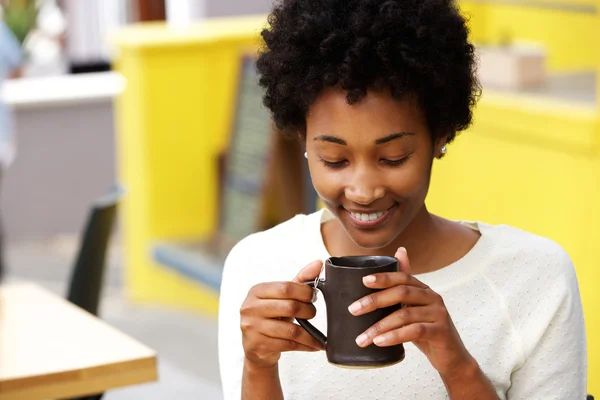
[[186, 343]]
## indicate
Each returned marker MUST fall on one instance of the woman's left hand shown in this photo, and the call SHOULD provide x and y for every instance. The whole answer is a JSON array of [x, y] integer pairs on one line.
[[425, 322]]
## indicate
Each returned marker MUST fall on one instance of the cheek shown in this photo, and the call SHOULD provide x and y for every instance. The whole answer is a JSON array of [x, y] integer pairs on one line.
[[329, 185], [410, 182]]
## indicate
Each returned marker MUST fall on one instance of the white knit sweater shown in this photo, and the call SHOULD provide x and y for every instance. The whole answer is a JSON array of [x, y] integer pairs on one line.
[[514, 299]]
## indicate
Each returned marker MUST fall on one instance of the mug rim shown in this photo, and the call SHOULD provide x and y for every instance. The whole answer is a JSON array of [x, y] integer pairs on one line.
[[389, 260]]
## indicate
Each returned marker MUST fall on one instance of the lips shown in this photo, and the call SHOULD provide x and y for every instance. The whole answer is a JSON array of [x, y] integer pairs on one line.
[[366, 217], [370, 219]]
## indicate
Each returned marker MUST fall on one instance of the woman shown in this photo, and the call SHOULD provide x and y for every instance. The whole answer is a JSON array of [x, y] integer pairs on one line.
[[377, 89]]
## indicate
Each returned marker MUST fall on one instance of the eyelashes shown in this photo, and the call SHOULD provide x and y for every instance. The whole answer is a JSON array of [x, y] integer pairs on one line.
[[334, 165], [395, 163], [384, 161]]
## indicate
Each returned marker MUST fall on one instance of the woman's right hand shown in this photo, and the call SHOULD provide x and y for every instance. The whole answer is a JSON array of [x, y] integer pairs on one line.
[[267, 318]]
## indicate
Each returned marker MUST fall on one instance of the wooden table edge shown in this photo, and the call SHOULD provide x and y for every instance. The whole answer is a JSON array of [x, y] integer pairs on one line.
[[83, 382]]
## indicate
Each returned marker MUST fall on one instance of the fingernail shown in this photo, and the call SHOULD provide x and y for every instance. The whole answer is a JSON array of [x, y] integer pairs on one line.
[[369, 279], [362, 339], [354, 308], [379, 340], [402, 249]]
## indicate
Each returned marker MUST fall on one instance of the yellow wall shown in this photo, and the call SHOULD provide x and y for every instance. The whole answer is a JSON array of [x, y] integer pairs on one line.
[[571, 37], [475, 12]]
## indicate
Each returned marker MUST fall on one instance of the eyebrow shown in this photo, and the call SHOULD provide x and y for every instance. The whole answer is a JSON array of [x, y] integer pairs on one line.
[[393, 136], [383, 140]]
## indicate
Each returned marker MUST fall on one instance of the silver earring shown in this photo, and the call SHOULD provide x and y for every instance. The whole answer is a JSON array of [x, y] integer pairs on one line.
[[306, 155], [444, 150]]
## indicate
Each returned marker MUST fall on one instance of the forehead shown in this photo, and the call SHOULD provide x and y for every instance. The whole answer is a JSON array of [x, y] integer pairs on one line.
[[377, 114]]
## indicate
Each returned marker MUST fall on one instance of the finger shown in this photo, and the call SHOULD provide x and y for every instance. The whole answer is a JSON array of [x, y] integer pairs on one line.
[[288, 331], [403, 261], [388, 279], [398, 319], [270, 308], [401, 294], [310, 272], [409, 333], [284, 290], [283, 345]]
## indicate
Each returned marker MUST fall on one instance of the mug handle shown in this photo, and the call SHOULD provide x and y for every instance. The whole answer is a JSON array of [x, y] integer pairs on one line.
[[310, 328]]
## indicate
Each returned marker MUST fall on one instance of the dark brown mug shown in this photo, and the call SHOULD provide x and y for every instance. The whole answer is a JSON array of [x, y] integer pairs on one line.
[[342, 286]]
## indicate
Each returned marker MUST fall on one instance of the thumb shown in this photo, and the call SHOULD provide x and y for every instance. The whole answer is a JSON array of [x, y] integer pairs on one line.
[[310, 272], [403, 262]]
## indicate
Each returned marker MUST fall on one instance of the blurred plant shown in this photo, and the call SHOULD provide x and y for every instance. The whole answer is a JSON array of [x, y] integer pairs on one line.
[[20, 16]]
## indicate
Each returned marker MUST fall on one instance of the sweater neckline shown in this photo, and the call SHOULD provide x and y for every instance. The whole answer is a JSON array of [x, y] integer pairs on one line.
[[451, 275]]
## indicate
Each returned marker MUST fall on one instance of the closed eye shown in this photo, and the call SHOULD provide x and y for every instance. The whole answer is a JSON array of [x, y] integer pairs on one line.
[[394, 163], [342, 163], [334, 164]]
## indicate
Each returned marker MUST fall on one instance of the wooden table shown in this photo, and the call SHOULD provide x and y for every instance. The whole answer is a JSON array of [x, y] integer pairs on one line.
[[51, 349]]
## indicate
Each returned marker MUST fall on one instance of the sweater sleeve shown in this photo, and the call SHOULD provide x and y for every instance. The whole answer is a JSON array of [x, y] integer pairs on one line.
[[237, 281], [552, 334]]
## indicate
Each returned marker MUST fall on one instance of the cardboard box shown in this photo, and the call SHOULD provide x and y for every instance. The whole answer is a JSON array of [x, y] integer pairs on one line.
[[515, 66]]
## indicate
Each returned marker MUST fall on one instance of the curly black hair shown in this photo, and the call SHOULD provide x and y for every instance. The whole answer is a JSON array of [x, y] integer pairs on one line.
[[417, 47]]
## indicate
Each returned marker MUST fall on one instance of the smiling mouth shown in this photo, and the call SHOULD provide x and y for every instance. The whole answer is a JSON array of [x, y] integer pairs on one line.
[[369, 219]]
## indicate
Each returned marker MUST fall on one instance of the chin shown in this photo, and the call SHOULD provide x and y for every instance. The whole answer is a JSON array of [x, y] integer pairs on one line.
[[370, 240]]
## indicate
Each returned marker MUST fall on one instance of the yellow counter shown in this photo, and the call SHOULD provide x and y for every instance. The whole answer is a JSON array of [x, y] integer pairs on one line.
[[173, 120]]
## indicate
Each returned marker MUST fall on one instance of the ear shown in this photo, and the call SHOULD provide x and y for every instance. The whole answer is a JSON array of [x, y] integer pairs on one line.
[[301, 135]]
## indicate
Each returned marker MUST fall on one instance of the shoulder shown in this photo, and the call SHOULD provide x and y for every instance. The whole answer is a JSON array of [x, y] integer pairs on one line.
[[521, 253], [538, 285], [534, 275]]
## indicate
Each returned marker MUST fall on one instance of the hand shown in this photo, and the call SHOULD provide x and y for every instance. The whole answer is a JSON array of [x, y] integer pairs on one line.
[[424, 320], [267, 314]]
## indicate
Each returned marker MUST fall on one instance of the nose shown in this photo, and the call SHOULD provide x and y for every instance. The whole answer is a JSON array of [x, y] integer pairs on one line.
[[364, 190]]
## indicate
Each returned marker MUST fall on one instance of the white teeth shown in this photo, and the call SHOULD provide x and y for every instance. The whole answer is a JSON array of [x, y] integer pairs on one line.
[[367, 217]]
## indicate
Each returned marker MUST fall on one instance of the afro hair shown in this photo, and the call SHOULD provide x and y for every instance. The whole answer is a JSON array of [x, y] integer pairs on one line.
[[415, 47]]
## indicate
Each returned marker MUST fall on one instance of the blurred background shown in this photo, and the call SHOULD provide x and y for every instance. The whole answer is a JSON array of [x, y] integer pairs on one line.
[[158, 99]]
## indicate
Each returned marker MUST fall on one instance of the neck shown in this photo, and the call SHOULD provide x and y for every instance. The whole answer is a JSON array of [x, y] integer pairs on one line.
[[424, 233]]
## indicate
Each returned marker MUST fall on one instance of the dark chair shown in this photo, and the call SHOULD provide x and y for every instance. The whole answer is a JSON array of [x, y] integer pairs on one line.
[[87, 278]]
